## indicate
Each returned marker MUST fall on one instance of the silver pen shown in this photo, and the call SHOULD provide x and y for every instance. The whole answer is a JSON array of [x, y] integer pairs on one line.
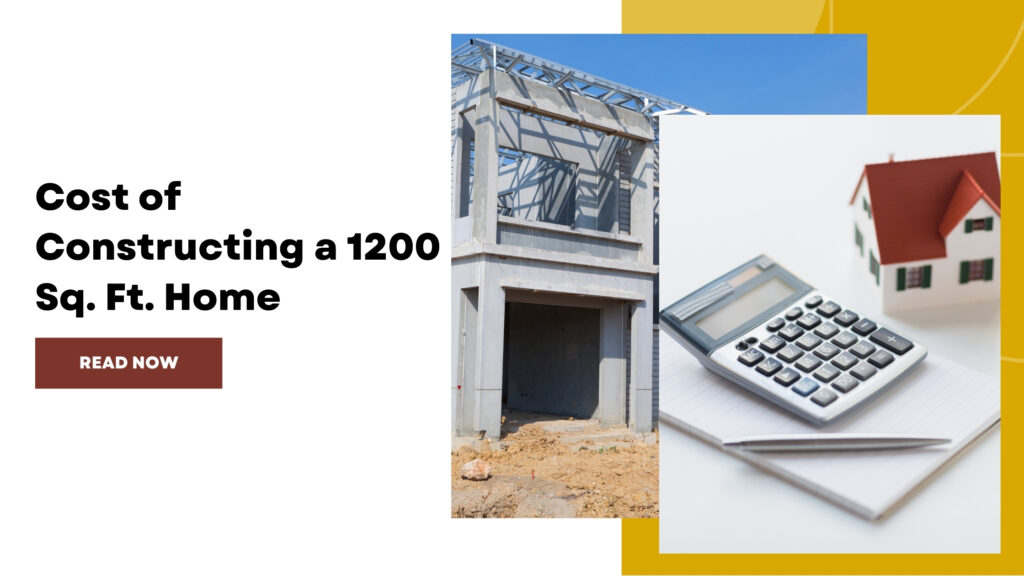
[[831, 442]]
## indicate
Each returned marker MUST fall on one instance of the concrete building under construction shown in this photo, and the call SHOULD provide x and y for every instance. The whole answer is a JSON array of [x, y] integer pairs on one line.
[[554, 255]]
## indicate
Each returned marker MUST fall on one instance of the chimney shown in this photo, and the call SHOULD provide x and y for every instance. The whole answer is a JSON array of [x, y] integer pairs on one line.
[[891, 157]]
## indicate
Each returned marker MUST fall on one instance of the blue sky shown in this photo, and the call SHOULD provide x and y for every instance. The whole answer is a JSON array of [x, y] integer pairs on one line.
[[728, 74]]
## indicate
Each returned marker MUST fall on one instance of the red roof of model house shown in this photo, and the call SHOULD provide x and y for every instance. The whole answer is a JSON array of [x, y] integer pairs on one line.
[[917, 203]]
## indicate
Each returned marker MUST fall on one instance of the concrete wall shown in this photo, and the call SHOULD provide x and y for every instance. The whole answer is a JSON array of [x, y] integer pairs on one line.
[[512, 232], [553, 360], [501, 280]]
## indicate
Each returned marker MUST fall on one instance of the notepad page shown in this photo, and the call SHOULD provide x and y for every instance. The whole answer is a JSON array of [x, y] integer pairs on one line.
[[940, 398]]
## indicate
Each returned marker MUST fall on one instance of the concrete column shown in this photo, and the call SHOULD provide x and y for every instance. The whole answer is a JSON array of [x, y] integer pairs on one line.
[[490, 347], [612, 391], [457, 353], [467, 357], [642, 205], [485, 167], [642, 353]]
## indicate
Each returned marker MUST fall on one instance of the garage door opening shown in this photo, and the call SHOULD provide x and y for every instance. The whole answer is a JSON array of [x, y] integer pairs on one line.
[[552, 358]]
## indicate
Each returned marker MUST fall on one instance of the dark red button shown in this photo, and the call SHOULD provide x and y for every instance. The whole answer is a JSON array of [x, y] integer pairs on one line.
[[129, 362]]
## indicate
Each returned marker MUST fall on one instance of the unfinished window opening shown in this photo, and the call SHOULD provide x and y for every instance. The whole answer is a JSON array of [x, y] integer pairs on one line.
[[624, 164], [467, 170], [537, 188]]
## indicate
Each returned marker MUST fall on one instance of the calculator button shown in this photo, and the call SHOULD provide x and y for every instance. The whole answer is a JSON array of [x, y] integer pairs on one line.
[[787, 376], [863, 349], [813, 301], [845, 383], [808, 341], [881, 358], [751, 357], [827, 330], [826, 373], [862, 371], [790, 353], [845, 318], [864, 327], [829, 309], [775, 324], [809, 321], [824, 397], [742, 346], [891, 341], [791, 332], [769, 366], [845, 360], [845, 340], [751, 340], [826, 351], [772, 344], [807, 363], [805, 387], [793, 313]]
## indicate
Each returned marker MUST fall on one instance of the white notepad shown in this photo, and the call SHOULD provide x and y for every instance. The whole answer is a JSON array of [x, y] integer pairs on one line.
[[940, 398]]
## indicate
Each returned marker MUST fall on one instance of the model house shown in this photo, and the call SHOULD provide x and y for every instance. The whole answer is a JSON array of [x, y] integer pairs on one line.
[[554, 191], [927, 231]]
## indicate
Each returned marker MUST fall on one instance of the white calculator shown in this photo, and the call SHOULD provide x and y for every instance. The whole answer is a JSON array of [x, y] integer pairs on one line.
[[763, 328]]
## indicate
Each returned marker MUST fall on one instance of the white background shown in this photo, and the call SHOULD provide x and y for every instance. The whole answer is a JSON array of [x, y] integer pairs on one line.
[[327, 450], [733, 187]]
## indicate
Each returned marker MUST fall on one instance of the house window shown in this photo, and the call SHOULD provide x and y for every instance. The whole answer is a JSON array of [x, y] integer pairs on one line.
[[914, 277], [873, 265], [867, 208], [974, 270], [976, 224], [858, 239]]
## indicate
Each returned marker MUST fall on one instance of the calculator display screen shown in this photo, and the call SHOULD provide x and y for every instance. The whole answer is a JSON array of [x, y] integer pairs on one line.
[[736, 313]]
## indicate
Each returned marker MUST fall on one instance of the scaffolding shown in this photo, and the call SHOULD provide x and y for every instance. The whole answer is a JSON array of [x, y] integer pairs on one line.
[[473, 57]]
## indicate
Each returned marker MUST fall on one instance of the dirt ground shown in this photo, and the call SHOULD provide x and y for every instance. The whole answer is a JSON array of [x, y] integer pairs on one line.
[[538, 476]]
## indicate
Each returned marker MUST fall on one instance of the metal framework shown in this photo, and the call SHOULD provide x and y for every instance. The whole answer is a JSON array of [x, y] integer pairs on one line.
[[473, 57]]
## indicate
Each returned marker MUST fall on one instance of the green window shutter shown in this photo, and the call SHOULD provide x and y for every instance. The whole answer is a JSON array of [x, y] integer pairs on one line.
[[988, 223], [967, 226], [988, 268], [965, 271], [926, 277], [901, 279]]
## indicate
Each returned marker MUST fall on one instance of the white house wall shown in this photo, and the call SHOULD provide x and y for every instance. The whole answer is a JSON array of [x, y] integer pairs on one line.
[[867, 228], [946, 289]]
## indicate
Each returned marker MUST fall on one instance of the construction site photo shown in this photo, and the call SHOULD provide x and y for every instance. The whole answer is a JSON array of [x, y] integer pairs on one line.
[[554, 334]]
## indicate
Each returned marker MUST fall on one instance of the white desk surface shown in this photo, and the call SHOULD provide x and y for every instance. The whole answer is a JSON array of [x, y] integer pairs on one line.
[[713, 503]]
